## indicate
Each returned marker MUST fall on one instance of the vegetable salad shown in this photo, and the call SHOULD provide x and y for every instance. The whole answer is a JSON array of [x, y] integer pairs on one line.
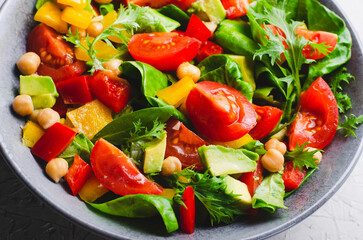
[[197, 111]]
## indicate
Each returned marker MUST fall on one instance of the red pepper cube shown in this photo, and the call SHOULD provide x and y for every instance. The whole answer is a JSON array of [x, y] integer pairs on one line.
[[78, 174], [292, 177], [197, 29], [60, 107], [75, 90], [53, 142], [187, 215]]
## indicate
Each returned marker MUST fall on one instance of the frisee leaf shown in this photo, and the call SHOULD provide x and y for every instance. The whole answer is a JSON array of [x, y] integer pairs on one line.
[[274, 48], [302, 157], [126, 18], [350, 124], [210, 191]]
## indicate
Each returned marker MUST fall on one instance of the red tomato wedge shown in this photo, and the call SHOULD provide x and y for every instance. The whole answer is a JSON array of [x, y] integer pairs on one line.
[[207, 49], [187, 215], [53, 50], [75, 90], [111, 90], [253, 179], [329, 39], [317, 121], [118, 173], [220, 112], [197, 29], [268, 118], [68, 71], [235, 8], [183, 144], [292, 177], [164, 51], [78, 174]]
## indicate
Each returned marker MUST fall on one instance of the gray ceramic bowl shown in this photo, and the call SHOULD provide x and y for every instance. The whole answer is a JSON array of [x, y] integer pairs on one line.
[[16, 21]]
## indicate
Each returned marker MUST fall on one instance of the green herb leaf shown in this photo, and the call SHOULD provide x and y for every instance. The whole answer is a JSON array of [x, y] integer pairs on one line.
[[350, 124], [80, 146], [41, 3], [301, 157], [106, 8]]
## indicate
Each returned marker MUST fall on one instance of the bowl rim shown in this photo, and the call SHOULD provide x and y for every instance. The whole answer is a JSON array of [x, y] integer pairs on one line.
[[266, 234]]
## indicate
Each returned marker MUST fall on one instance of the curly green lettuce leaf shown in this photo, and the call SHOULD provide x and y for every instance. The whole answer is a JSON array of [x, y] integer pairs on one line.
[[350, 124]]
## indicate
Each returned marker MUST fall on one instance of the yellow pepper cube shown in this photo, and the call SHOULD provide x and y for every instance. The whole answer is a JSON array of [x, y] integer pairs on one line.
[[78, 17], [168, 193], [50, 14], [104, 51], [236, 143], [109, 19], [92, 190], [32, 132], [175, 94], [90, 118], [78, 4]]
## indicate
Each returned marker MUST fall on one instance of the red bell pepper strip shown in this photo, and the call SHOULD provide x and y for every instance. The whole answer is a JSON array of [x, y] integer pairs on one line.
[[53, 142], [60, 107], [292, 177], [268, 118], [111, 90], [187, 215], [68, 71], [207, 49], [235, 8], [75, 90], [78, 174], [253, 179], [197, 29]]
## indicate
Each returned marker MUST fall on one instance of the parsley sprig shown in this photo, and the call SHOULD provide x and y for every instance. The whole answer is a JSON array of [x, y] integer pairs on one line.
[[350, 124], [302, 157]]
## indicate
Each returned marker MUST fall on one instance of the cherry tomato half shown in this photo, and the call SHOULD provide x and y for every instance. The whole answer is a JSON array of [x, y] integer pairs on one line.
[[183, 144], [220, 112], [207, 49], [235, 8], [253, 179], [164, 51], [53, 50], [118, 173], [68, 71], [318, 118], [268, 118]]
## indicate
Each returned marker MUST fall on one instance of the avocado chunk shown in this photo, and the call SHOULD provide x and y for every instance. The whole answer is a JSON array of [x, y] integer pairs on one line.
[[154, 156], [241, 190], [208, 10], [37, 85], [247, 68], [222, 161]]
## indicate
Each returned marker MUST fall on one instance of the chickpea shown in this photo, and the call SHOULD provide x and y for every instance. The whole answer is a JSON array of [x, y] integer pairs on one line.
[[95, 29], [273, 143], [28, 63], [81, 32], [34, 116], [23, 105], [113, 65], [47, 117], [103, 1], [188, 70], [318, 155], [273, 160], [56, 169], [171, 165]]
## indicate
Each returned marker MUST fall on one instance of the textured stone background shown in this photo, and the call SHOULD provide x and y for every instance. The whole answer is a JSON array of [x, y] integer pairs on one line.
[[23, 216]]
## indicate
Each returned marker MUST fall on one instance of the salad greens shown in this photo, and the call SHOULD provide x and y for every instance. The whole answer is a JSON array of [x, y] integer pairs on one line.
[[80, 146]]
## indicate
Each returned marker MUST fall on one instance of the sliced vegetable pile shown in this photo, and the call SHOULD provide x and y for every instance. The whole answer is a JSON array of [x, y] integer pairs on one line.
[[197, 111]]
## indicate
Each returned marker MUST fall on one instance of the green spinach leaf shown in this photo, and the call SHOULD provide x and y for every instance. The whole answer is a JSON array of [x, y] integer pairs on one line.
[[177, 14], [106, 8], [80, 146]]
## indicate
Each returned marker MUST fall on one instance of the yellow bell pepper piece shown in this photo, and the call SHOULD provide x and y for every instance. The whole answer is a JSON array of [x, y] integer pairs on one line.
[[175, 94], [50, 15], [110, 18], [236, 143], [104, 51], [90, 118], [92, 190], [77, 4], [78, 17], [31, 134], [168, 193]]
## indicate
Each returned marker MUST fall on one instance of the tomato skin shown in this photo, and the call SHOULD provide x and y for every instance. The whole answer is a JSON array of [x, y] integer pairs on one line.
[[317, 121], [330, 39], [220, 112], [292, 177], [118, 173], [68, 71], [197, 29], [268, 118], [164, 51], [183, 144], [235, 8], [111, 90], [207, 49], [187, 215], [253, 179], [46, 42], [78, 174]]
